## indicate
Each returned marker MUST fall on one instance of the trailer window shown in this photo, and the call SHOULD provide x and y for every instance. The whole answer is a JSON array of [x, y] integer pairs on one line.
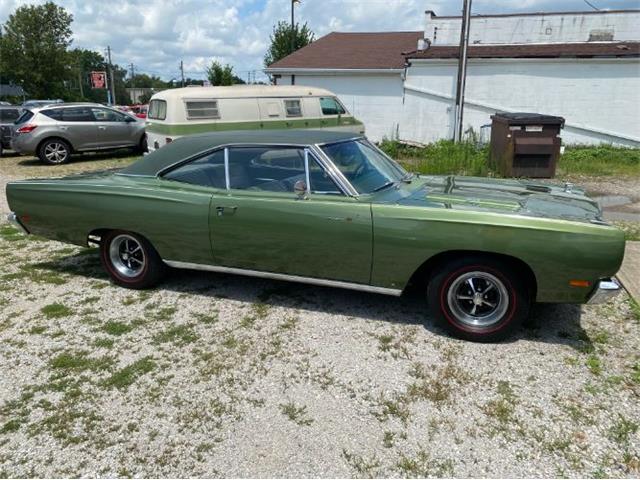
[[331, 106], [157, 109], [202, 109], [292, 107]]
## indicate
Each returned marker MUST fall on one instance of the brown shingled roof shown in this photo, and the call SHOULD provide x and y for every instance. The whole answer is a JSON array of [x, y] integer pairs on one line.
[[375, 50], [549, 50]]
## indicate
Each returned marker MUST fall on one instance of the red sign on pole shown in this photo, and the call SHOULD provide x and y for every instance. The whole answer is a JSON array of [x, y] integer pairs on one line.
[[98, 79]]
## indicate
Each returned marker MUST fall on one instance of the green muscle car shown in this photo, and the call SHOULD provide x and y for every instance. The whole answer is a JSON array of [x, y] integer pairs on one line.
[[331, 209]]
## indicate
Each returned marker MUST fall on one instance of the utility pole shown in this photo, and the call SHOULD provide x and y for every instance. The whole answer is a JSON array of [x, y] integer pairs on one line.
[[462, 70], [80, 81], [182, 72], [112, 89]]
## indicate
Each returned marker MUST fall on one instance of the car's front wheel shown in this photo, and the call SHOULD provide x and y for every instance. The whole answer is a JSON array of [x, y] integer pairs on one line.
[[478, 299], [54, 151], [130, 260]]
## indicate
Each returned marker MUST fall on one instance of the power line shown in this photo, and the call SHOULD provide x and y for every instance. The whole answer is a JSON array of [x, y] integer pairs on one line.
[[591, 5]]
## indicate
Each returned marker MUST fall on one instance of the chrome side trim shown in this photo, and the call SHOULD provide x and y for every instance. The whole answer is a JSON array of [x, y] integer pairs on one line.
[[287, 278], [226, 168], [13, 219], [605, 290]]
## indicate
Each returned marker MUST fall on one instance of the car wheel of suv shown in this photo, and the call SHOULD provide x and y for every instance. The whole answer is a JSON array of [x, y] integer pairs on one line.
[[54, 151], [131, 260], [478, 299]]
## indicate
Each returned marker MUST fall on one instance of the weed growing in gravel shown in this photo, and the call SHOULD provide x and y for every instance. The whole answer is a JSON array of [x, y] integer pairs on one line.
[[163, 314], [103, 342], [388, 440], [502, 409], [296, 414], [56, 310], [116, 328], [261, 310], [79, 361], [635, 309], [622, 429], [594, 364], [177, 334], [366, 467], [37, 329], [424, 466], [207, 318], [127, 375]]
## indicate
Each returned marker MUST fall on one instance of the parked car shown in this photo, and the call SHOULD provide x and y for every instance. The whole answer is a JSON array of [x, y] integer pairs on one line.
[[177, 112], [330, 209], [40, 103], [8, 116], [140, 111], [53, 133]]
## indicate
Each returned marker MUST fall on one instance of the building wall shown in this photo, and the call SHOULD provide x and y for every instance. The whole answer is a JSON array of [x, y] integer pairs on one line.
[[374, 99], [540, 28], [598, 98]]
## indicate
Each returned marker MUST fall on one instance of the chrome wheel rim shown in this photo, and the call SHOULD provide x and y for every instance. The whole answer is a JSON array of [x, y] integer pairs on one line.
[[478, 299], [127, 255], [56, 152]]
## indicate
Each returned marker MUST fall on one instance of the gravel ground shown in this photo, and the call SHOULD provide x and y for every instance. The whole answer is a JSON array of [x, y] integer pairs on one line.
[[216, 375]]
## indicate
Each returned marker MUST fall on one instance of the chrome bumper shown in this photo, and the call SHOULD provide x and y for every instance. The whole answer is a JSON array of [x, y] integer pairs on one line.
[[605, 290], [13, 219]]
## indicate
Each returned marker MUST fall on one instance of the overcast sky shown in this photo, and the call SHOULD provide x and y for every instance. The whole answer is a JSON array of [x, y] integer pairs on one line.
[[156, 34]]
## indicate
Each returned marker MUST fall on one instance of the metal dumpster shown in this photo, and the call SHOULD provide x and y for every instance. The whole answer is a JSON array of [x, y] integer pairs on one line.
[[525, 144]]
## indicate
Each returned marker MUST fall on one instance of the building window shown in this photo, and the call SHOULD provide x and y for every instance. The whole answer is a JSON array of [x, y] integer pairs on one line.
[[293, 108], [197, 109]]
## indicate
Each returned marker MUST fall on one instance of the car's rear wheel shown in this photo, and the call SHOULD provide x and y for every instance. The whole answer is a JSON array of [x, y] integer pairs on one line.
[[130, 260], [478, 299], [54, 151]]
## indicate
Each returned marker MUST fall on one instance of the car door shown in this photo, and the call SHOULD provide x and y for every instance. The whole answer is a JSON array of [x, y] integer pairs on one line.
[[113, 129], [260, 223], [78, 126]]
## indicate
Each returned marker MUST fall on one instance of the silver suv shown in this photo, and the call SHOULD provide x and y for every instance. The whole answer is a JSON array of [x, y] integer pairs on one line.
[[55, 132]]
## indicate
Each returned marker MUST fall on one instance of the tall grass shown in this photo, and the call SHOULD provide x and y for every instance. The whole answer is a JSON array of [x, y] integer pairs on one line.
[[600, 160], [441, 158], [445, 157]]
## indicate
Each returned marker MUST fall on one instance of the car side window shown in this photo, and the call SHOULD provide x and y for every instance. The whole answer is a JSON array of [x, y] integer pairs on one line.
[[276, 169], [206, 171], [293, 108], [331, 106], [106, 115], [77, 114], [55, 113]]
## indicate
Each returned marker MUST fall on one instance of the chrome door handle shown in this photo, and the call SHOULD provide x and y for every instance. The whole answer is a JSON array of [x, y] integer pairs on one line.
[[102, 128], [64, 128], [220, 210]]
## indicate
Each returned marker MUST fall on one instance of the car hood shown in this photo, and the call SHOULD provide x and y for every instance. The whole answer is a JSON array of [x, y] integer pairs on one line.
[[507, 196]]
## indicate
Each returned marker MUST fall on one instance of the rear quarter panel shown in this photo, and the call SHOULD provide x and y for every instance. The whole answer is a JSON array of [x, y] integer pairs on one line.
[[557, 251], [173, 218]]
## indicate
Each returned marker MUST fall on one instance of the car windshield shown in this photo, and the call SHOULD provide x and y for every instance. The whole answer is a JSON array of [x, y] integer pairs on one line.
[[366, 167]]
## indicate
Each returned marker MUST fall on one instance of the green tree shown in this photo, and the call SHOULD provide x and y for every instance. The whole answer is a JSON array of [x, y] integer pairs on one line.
[[33, 49], [81, 63], [219, 74], [281, 41]]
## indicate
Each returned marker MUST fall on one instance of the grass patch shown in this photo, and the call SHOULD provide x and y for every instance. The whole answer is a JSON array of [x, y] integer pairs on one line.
[[116, 328], [79, 361], [126, 376], [635, 309], [594, 364], [622, 430], [178, 334], [56, 310], [11, 426], [423, 466], [103, 342], [466, 158], [366, 467], [441, 158], [601, 160]]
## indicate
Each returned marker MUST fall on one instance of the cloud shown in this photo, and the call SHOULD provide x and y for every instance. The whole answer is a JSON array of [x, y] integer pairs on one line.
[[155, 35]]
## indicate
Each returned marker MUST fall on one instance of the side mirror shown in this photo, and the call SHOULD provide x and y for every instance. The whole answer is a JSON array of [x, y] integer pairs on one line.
[[300, 188]]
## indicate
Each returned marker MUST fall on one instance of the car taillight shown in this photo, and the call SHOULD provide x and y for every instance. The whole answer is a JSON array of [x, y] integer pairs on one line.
[[27, 128]]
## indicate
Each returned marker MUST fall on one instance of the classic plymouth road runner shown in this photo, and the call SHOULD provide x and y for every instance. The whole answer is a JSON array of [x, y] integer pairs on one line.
[[331, 209]]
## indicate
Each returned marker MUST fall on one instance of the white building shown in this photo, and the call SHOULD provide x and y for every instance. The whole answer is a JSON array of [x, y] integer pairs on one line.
[[584, 66]]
